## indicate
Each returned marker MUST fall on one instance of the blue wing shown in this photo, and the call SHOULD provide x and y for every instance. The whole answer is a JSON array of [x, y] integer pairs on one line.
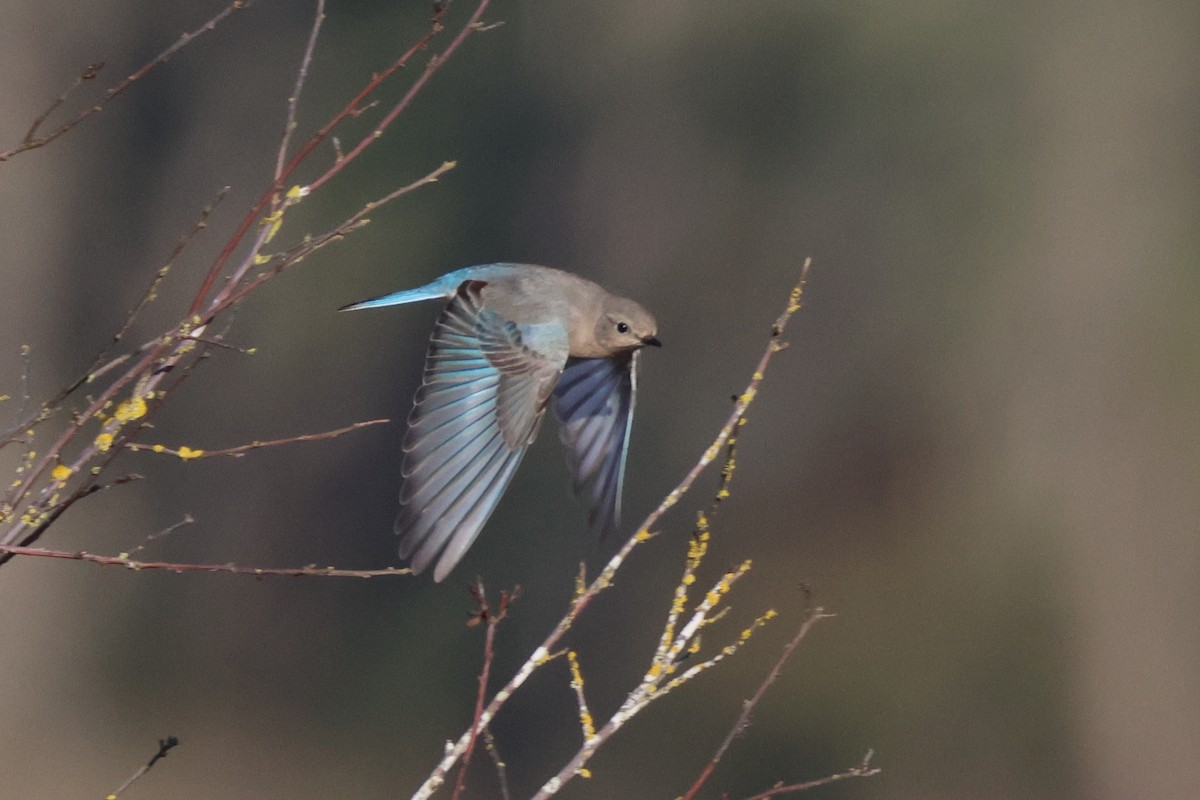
[[594, 403], [482, 398]]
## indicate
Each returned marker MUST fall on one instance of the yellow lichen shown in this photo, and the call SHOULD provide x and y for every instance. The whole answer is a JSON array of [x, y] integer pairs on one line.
[[131, 409], [272, 222], [186, 453], [104, 442], [61, 472]]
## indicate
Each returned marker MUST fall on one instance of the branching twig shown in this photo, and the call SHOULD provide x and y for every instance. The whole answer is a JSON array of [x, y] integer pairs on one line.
[[277, 185], [862, 770], [188, 519], [99, 366], [656, 683], [26, 513], [164, 746], [642, 534], [483, 615], [294, 98], [278, 263], [188, 453], [136, 407], [743, 721], [32, 141], [23, 422], [434, 64], [233, 569]]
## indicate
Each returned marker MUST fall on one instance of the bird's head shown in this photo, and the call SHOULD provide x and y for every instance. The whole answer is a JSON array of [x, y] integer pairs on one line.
[[624, 325]]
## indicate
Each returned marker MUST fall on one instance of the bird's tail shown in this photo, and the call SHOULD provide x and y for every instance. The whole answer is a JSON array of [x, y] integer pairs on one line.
[[429, 292]]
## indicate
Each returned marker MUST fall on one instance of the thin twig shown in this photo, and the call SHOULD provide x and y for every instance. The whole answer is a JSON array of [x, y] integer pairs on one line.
[[188, 453], [294, 99], [99, 366], [501, 768], [167, 352], [152, 363], [434, 64], [23, 420], [743, 721], [483, 615], [277, 185], [188, 519], [151, 293], [32, 141], [643, 533], [656, 683], [861, 770], [233, 569], [280, 262], [164, 746]]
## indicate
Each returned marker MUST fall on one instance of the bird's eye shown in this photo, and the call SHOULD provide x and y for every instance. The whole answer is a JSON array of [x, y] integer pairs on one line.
[[622, 327]]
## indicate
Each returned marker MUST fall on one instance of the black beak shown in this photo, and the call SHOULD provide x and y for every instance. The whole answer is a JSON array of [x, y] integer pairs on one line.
[[652, 341]]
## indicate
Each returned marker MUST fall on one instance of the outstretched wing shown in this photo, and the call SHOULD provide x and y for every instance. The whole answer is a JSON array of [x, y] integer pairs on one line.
[[481, 402], [594, 404]]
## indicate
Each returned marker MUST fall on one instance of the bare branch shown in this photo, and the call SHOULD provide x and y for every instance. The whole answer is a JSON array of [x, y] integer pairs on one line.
[[279, 262], [23, 420], [145, 370], [294, 99], [743, 721], [188, 519], [491, 619], [233, 569], [188, 453], [164, 746], [277, 185], [434, 64], [32, 141], [862, 770], [99, 368]]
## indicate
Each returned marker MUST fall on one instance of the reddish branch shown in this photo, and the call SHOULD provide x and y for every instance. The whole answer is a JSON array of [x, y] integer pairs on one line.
[[348, 110], [155, 360], [743, 721], [861, 770], [32, 141], [241, 450], [483, 615], [434, 64]]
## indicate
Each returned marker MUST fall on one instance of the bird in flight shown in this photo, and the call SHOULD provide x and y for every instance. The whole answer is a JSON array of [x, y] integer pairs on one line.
[[512, 340]]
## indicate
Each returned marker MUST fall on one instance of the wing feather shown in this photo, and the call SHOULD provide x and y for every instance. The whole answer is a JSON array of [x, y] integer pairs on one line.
[[594, 402], [482, 397]]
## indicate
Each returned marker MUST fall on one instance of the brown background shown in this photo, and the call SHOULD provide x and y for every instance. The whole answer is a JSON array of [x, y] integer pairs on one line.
[[982, 450]]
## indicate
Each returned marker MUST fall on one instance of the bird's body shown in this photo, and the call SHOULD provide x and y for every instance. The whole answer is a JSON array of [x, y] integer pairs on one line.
[[512, 340]]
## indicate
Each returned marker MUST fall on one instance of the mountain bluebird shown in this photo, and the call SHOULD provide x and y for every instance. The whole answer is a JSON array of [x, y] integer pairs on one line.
[[512, 338]]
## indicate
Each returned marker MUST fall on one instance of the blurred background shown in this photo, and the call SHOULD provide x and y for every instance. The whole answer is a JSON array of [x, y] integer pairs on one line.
[[982, 449]]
